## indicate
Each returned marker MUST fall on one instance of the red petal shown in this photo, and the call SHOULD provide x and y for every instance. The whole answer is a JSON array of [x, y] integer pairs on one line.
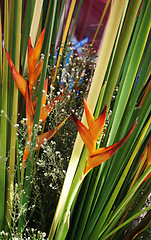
[[33, 53], [34, 75], [45, 93], [41, 138], [103, 154], [95, 126], [89, 116], [47, 135], [37, 49], [98, 125], [29, 112], [31, 58], [26, 154], [20, 81], [84, 133], [45, 111]]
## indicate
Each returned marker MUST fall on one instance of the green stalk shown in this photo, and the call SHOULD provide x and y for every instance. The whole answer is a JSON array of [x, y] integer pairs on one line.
[[63, 225], [89, 188], [61, 21], [33, 29], [125, 66], [27, 184], [80, 204], [1, 217], [4, 121], [120, 213], [101, 20], [124, 39], [113, 23], [135, 94], [75, 19], [132, 70], [0, 64], [54, 36], [16, 53], [112, 179], [46, 25], [126, 222], [88, 203], [64, 218], [117, 166], [132, 172], [68, 22], [87, 200], [44, 70], [10, 78], [26, 28], [96, 231]]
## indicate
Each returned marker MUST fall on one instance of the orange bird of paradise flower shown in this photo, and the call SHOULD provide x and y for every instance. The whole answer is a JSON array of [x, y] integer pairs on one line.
[[35, 68], [90, 136]]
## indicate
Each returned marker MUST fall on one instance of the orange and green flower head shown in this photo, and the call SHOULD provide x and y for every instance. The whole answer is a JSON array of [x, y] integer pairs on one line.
[[91, 134], [35, 69], [34, 66]]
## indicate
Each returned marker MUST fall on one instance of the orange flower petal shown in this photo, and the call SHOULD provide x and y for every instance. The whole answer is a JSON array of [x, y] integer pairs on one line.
[[98, 125], [103, 154], [90, 137], [20, 81], [26, 153], [37, 49], [45, 111], [34, 104], [34, 75], [33, 53], [41, 138], [31, 58], [45, 93], [47, 135], [29, 112], [89, 117], [84, 133]]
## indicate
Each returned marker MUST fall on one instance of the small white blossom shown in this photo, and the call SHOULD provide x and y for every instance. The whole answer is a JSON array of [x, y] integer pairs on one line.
[[25, 119], [44, 234]]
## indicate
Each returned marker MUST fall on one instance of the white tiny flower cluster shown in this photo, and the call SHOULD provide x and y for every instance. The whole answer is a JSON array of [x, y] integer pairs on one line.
[[28, 234]]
